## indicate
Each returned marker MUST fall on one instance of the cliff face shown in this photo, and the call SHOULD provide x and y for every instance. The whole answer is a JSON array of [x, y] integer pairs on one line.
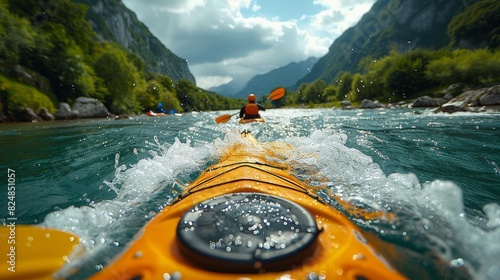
[[402, 24], [113, 21]]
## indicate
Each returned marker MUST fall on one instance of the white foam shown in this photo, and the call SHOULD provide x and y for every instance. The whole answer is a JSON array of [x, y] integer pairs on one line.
[[438, 204]]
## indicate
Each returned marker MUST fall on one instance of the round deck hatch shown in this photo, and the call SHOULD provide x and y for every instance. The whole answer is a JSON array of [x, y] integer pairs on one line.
[[246, 232]]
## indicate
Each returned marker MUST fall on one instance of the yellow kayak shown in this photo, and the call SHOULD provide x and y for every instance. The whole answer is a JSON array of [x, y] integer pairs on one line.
[[247, 217], [251, 120]]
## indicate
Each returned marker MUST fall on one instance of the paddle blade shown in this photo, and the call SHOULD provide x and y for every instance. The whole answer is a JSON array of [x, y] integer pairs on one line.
[[223, 118], [37, 252], [277, 94]]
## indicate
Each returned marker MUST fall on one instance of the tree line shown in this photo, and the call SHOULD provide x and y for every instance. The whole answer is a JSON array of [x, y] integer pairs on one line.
[[400, 76], [50, 54]]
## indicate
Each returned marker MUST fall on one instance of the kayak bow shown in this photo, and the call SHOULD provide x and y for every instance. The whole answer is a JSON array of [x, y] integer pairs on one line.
[[247, 217]]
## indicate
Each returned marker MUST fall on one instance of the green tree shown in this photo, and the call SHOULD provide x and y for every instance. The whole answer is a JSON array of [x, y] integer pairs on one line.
[[121, 79], [186, 94], [478, 23], [314, 92], [63, 40], [343, 82], [465, 66], [401, 75], [154, 93], [360, 88], [16, 35], [331, 93]]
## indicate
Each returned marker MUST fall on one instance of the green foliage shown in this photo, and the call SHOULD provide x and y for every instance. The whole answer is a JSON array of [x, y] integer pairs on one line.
[[14, 96], [313, 93], [156, 92], [359, 88], [478, 23], [63, 41], [403, 75], [466, 66], [330, 93], [120, 77], [343, 82], [16, 35], [399, 75]]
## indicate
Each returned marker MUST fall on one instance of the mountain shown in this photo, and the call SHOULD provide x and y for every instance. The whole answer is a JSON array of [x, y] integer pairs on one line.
[[285, 76], [230, 89], [112, 21], [405, 25], [262, 84]]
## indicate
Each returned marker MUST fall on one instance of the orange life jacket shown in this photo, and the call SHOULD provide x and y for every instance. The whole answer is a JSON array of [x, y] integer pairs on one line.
[[251, 109]]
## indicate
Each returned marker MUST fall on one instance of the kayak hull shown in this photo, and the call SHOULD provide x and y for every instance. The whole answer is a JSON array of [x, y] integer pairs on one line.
[[153, 114], [338, 250], [257, 120]]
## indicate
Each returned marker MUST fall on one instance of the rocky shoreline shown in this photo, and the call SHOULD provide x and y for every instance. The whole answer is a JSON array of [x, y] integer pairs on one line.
[[83, 107], [456, 98]]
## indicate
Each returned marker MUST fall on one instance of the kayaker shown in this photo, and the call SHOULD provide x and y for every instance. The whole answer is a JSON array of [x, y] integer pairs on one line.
[[160, 109], [251, 110]]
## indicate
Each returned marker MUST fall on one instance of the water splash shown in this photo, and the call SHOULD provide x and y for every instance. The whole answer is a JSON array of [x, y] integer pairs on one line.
[[142, 189], [431, 217]]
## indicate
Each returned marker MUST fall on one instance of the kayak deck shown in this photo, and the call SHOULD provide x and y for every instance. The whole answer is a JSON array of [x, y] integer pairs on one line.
[[247, 217], [258, 120]]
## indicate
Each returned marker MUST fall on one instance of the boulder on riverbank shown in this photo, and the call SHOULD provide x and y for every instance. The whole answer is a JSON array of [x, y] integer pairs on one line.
[[26, 115], [65, 112], [370, 104], [90, 108], [489, 96], [46, 115], [427, 101]]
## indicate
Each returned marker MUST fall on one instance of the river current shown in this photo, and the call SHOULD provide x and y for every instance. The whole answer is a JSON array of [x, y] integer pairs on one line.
[[438, 174]]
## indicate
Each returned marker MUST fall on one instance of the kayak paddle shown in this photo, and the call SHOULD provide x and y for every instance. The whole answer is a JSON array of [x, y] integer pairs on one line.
[[225, 118], [274, 95], [277, 94]]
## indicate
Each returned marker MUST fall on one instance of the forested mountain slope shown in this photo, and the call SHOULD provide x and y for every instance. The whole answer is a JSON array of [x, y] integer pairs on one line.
[[404, 25], [113, 21]]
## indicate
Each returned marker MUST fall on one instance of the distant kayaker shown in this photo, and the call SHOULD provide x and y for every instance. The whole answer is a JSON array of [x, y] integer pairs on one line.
[[251, 110], [160, 109]]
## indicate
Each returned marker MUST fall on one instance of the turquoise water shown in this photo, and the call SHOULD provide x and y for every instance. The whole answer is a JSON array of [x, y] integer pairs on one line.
[[438, 173]]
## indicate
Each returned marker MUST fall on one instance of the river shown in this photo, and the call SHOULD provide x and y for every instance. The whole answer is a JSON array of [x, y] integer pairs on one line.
[[438, 174]]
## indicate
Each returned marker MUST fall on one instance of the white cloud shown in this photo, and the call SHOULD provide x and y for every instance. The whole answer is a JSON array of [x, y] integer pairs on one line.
[[213, 81], [221, 44]]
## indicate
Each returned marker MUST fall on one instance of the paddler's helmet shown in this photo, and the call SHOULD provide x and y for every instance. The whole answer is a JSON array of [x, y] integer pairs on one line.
[[251, 97]]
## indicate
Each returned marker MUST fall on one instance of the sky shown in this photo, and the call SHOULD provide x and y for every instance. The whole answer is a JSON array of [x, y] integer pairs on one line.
[[234, 40]]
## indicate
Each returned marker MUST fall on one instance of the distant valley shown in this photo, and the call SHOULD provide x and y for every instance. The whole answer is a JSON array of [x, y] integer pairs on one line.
[[262, 84]]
